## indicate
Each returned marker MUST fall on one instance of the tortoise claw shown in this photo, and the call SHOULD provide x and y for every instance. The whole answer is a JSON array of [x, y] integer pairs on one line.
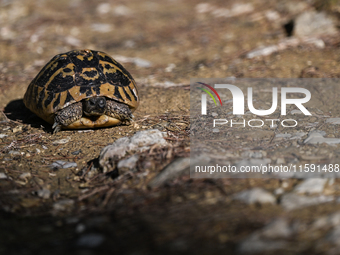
[[56, 127]]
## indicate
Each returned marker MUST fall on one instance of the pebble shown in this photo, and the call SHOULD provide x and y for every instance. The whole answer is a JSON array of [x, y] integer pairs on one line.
[[3, 136], [174, 169], [255, 195], [63, 164], [72, 41], [296, 112], [25, 175], [122, 10], [103, 8], [330, 120], [61, 141], [331, 220], [293, 201], [139, 142], [102, 28], [91, 240], [129, 163], [44, 193], [3, 175], [268, 238], [63, 205], [311, 186], [137, 61], [17, 129], [312, 23], [77, 152], [316, 137], [80, 228]]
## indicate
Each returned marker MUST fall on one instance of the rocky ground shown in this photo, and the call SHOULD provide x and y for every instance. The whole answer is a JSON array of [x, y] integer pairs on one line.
[[65, 193]]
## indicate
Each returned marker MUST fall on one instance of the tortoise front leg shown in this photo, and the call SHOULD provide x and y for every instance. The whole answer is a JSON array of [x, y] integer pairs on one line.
[[67, 116], [118, 111]]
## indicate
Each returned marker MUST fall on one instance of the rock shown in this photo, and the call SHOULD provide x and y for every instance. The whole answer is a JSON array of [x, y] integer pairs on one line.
[[255, 195], [17, 129], [62, 141], [139, 142], [333, 121], [25, 175], [293, 201], [2, 136], [329, 221], [3, 117], [268, 238], [311, 186], [128, 163], [44, 193], [103, 8], [312, 23], [316, 137], [63, 164], [91, 240], [102, 28], [3, 175], [174, 169]]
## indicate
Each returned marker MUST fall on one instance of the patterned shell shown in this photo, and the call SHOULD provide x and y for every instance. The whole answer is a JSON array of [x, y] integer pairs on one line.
[[75, 75]]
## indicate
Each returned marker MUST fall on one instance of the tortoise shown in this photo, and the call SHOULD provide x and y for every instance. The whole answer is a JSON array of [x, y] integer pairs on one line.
[[83, 89]]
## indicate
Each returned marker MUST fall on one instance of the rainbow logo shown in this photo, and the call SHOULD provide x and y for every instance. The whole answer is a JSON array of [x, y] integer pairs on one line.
[[208, 92]]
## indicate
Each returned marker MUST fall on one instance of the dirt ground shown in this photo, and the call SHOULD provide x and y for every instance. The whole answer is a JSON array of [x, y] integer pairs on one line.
[[54, 210]]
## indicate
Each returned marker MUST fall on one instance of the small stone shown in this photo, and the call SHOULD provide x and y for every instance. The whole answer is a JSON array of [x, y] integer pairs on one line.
[[332, 220], [311, 186], [3, 136], [312, 23], [25, 175], [80, 228], [63, 205], [37, 150], [44, 193], [90, 240], [316, 137], [61, 141], [268, 239], [14, 153], [296, 112], [102, 28], [72, 41], [44, 147], [174, 169], [139, 142], [137, 61], [17, 129], [63, 164], [255, 195], [279, 191], [103, 8], [293, 201], [77, 152], [333, 121], [129, 163], [3, 175]]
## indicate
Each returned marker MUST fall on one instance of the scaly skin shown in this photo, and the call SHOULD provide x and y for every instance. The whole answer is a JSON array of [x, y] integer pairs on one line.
[[74, 112]]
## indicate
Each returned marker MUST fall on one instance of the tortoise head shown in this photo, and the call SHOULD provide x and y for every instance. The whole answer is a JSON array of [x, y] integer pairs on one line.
[[94, 106]]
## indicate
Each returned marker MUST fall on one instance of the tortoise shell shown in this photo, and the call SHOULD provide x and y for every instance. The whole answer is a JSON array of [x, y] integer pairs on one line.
[[73, 76]]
